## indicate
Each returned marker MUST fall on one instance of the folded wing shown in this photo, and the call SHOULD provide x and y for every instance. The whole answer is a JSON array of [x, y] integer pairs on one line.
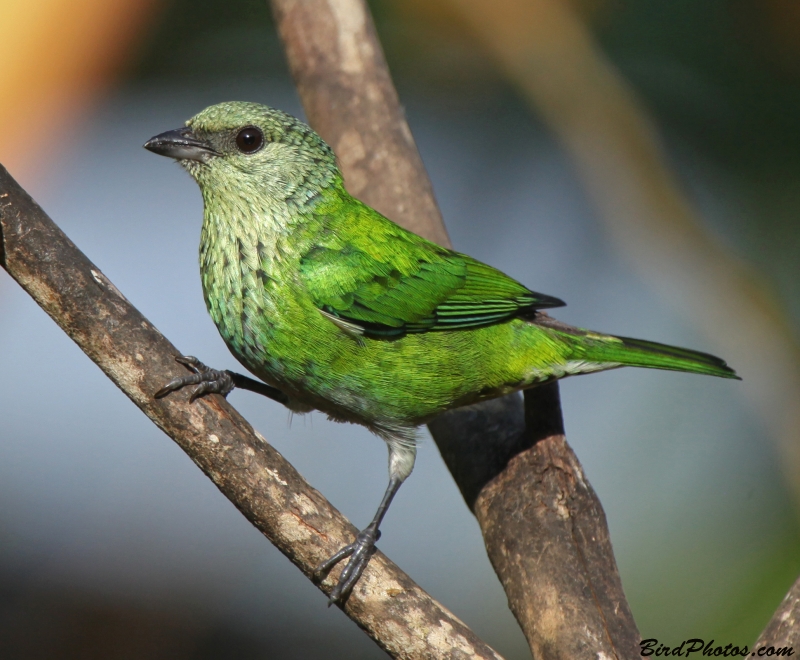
[[388, 282]]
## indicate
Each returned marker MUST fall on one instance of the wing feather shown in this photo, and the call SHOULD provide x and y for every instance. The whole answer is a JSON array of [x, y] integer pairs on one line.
[[377, 276]]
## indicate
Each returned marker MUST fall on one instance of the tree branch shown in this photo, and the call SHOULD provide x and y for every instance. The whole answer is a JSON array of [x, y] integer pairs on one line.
[[386, 603], [513, 466], [784, 627]]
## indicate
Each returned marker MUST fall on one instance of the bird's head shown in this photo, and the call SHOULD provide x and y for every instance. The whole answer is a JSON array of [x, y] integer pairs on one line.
[[245, 148]]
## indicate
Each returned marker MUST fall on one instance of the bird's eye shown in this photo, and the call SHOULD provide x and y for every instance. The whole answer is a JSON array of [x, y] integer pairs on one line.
[[249, 140]]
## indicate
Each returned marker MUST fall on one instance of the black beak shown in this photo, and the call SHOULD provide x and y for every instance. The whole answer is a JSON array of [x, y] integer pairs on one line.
[[181, 144]]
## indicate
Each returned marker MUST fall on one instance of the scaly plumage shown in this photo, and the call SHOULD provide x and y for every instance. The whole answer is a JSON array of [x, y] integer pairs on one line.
[[346, 312]]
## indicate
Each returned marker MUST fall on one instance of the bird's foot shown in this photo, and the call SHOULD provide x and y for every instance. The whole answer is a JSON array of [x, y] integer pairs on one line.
[[207, 379], [359, 552]]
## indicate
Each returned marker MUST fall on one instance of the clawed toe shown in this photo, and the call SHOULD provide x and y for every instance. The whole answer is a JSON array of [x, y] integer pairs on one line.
[[360, 552], [208, 380]]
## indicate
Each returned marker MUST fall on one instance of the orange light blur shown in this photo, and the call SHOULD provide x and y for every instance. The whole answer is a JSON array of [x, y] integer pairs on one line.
[[57, 56]]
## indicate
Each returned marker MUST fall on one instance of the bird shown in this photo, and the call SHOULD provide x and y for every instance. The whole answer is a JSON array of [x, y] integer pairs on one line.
[[336, 308]]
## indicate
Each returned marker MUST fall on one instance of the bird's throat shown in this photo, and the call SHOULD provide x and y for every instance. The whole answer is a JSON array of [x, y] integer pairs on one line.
[[240, 255]]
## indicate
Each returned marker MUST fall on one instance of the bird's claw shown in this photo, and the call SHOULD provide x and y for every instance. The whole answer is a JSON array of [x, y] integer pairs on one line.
[[209, 381], [359, 552]]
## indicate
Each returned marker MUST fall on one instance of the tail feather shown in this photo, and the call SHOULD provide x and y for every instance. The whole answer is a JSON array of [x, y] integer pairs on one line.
[[631, 352]]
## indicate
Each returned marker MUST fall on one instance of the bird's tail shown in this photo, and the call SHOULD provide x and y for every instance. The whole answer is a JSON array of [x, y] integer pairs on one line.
[[626, 352]]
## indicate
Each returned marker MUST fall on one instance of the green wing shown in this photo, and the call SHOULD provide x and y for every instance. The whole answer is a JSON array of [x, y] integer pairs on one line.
[[382, 281]]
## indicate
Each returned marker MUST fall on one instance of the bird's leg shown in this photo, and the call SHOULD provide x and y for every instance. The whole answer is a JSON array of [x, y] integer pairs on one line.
[[247, 383], [401, 462], [217, 382], [359, 551]]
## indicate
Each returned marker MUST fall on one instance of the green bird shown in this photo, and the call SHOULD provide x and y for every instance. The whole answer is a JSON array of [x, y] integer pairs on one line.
[[337, 308]]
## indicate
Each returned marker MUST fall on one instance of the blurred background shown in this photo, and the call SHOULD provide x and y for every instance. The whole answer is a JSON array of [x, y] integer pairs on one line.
[[640, 160]]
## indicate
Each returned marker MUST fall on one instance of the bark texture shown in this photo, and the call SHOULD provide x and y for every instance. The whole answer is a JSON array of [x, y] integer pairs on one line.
[[783, 630], [548, 532]]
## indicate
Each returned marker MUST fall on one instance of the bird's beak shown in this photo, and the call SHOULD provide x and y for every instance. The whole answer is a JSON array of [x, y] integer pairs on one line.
[[181, 144]]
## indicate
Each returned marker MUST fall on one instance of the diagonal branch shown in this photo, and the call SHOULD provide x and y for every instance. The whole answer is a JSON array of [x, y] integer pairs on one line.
[[544, 528], [783, 630], [386, 603]]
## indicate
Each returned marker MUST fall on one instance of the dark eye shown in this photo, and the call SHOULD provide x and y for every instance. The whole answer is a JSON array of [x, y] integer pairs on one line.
[[249, 139]]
